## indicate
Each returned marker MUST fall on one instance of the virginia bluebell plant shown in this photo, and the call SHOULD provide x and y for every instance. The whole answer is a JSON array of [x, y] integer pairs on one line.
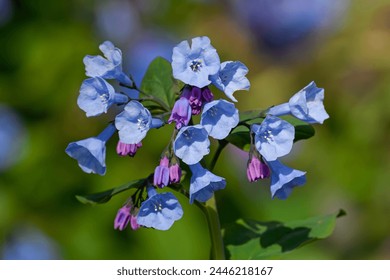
[[184, 89]]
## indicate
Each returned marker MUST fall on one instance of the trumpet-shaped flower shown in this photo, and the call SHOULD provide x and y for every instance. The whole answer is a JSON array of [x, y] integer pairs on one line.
[[284, 179], [159, 211], [96, 96], [306, 105], [134, 123], [191, 144], [231, 77], [204, 183], [273, 137], [219, 117], [107, 67], [194, 65], [91, 152]]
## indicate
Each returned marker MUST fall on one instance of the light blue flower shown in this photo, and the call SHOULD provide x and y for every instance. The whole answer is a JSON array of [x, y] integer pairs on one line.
[[219, 117], [159, 211], [134, 123], [108, 67], [96, 96], [231, 77], [204, 183], [193, 65], [306, 105], [284, 179], [273, 137], [91, 152], [191, 144]]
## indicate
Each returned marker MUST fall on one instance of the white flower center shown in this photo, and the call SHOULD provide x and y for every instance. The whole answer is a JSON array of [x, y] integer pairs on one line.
[[142, 124], [104, 98], [196, 65], [267, 136], [157, 207]]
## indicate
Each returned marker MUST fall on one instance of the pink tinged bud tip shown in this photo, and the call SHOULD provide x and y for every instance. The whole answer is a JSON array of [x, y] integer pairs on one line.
[[133, 223], [122, 218], [174, 173], [123, 149], [256, 170]]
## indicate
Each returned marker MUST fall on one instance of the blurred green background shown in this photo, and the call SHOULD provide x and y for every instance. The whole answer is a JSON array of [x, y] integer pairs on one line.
[[344, 49]]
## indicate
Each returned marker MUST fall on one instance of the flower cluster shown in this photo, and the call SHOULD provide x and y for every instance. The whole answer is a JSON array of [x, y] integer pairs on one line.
[[198, 66], [274, 138]]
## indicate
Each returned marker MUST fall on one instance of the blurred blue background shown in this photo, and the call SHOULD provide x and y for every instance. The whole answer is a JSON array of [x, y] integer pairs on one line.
[[342, 45]]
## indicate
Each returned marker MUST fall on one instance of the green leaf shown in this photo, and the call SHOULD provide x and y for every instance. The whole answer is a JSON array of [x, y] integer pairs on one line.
[[158, 82], [249, 239], [240, 139], [105, 196], [302, 130], [251, 115]]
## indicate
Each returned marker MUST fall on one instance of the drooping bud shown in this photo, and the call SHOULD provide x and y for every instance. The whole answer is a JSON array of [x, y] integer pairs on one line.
[[256, 169], [122, 218], [124, 149], [174, 173], [161, 173]]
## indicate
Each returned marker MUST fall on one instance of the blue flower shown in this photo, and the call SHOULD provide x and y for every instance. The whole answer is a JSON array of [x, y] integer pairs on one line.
[[159, 211], [134, 123], [219, 117], [231, 77], [204, 183], [96, 96], [109, 67], [91, 152], [191, 144], [193, 65], [273, 137], [284, 179], [306, 105]]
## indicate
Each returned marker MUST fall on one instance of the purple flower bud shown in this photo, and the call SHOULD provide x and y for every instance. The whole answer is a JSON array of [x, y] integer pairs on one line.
[[197, 97], [256, 169], [124, 149], [174, 173], [181, 112], [161, 173], [133, 223], [122, 218], [196, 100], [207, 95]]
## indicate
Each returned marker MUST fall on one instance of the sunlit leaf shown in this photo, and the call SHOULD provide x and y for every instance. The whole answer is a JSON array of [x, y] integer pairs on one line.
[[249, 239]]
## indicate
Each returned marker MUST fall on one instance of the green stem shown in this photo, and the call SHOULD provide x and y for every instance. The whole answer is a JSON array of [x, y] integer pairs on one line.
[[221, 145], [209, 209], [148, 96], [217, 247], [211, 212]]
